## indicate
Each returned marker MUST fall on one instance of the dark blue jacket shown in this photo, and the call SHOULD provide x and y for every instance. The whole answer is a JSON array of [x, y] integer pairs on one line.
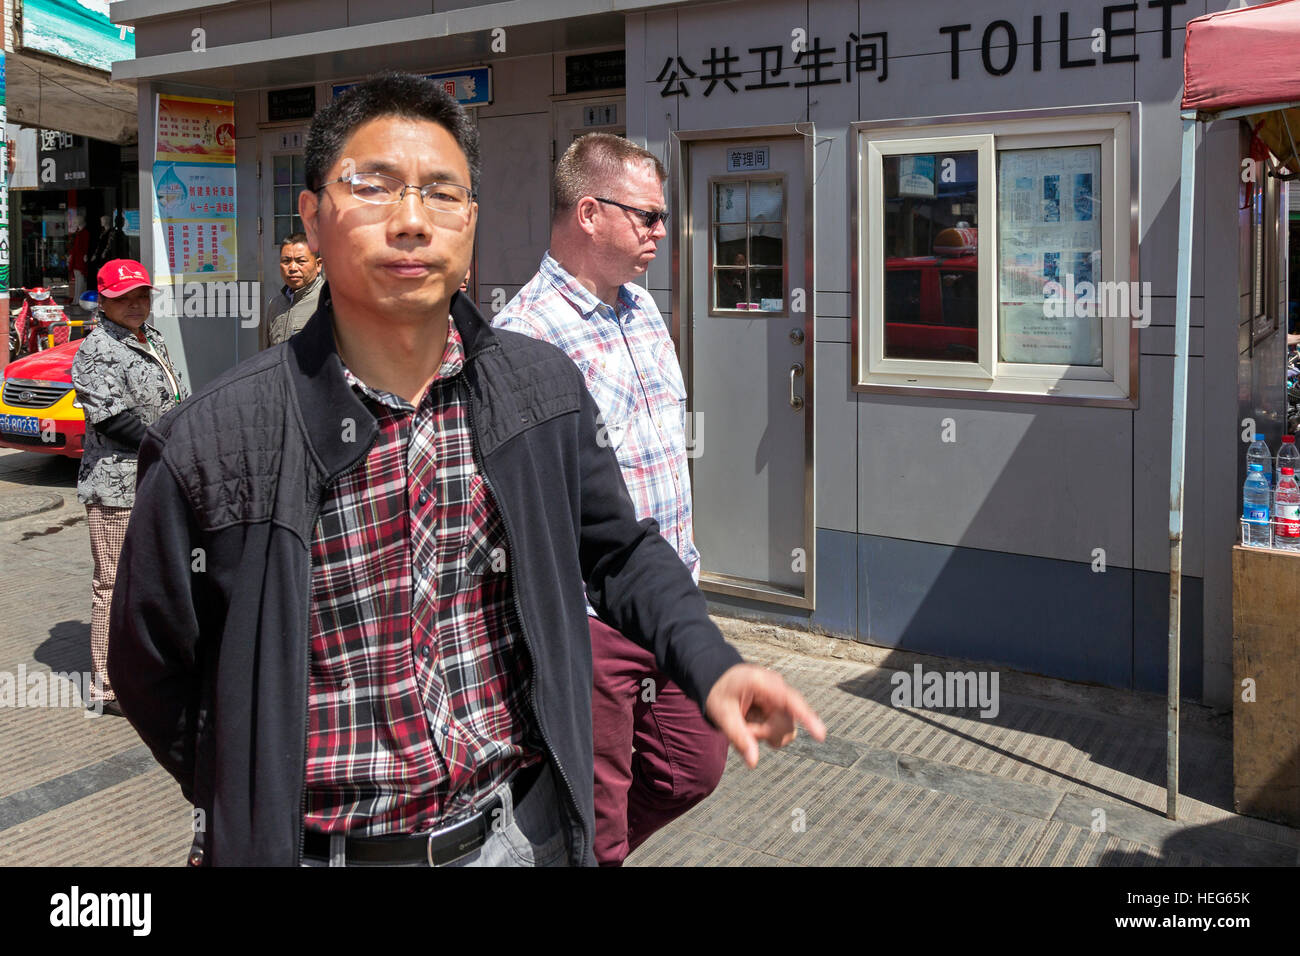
[[210, 613]]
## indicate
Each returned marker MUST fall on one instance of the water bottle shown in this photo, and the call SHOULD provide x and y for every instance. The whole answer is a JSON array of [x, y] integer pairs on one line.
[[1256, 531], [1286, 510], [1259, 454], [1288, 456]]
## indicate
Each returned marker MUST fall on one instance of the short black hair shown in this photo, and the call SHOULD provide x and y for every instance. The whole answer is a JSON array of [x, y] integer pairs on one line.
[[387, 94], [293, 239]]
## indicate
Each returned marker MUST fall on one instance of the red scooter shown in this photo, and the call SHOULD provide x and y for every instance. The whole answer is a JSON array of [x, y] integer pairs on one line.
[[39, 323]]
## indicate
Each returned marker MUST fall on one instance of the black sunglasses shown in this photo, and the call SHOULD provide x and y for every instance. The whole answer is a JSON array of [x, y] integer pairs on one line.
[[651, 218]]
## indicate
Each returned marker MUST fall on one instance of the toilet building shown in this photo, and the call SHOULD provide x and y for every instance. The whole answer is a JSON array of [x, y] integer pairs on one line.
[[920, 271]]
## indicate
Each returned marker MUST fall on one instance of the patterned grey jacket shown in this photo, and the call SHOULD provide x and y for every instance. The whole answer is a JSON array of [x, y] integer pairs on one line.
[[114, 372]]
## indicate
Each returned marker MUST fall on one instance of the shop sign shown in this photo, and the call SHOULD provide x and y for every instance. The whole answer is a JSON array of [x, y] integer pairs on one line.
[[297, 103], [585, 72], [63, 160], [798, 60], [469, 87], [746, 159]]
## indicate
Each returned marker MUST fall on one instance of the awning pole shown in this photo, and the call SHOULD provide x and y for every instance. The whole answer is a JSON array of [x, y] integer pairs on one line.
[[1177, 454]]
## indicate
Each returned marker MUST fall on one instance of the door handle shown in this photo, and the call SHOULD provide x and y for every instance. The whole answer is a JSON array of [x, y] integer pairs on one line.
[[796, 402]]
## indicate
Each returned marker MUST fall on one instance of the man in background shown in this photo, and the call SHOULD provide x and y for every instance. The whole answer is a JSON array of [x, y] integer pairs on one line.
[[295, 303], [656, 755]]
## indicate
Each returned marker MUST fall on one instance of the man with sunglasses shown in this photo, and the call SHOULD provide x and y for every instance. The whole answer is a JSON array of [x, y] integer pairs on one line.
[[656, 755], [349, 619]]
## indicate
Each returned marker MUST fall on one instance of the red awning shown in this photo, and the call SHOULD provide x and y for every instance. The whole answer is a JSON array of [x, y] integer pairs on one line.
[[1247, 57]]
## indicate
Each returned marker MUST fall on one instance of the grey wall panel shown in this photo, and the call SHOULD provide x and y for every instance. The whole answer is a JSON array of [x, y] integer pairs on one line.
[[655, 132], [1163, 308], [660, 39], [514, 219], [1056, 618], [928, 89], [833, 328], [1159, 340], [837, 446], [290, 17], [1047, 480], [165, 35], [373, 11], [521, 85], [1151, 635], [831, 109], [740, 25], [834, 304], [238, 23], [1158, 86], [724, 110], [1151, 439], [837, 583]]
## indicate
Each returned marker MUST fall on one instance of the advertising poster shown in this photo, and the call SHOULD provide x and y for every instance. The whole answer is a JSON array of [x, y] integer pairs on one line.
[[194, 188], [195, 130], [76, 30], [4, 189], [1049, 231]]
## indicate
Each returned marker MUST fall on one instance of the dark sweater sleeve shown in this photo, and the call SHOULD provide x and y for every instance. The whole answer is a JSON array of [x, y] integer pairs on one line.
[[154, 620], [124, 427]]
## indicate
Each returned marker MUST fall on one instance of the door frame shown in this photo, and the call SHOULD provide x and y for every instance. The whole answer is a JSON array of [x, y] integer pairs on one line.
[[682, 293]]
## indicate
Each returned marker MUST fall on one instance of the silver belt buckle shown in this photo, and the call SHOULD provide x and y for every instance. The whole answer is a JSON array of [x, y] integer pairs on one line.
[[428, 846]]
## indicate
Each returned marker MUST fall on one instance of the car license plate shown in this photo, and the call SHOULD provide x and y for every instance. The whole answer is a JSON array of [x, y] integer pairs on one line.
[[20, 424]]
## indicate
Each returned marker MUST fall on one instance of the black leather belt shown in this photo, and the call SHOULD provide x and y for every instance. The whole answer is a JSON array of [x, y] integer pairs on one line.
[[448, 842]]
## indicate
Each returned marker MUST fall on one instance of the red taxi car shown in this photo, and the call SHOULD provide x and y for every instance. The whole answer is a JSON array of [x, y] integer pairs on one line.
[[932, 307], [38, 407]]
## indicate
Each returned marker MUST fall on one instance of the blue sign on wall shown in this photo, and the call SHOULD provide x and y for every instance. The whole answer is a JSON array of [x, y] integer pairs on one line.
[[470, 87]]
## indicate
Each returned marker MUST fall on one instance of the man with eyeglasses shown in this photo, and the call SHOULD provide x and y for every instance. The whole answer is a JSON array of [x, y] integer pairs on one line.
[[349, 620], [656, 754]]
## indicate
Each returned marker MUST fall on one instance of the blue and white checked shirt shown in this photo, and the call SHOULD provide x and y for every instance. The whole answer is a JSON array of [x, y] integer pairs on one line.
[[630, 365]]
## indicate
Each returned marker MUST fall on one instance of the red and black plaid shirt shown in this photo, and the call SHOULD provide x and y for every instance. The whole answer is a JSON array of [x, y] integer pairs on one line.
[[419, 678]]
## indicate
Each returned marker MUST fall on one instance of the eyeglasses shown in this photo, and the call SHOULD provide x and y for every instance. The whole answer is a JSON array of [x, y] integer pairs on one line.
[[650, 217], [380, 190]]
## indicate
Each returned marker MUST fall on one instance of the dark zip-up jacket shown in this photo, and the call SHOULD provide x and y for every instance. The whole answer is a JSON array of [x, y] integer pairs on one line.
[[210, 612]]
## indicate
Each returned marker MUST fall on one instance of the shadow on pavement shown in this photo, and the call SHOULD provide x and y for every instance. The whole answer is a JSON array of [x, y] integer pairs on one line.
[[1120, 744], [37, 470], [68, 646]]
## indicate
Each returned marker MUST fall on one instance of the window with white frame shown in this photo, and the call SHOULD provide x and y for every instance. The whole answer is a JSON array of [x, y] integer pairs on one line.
[[994, 255]]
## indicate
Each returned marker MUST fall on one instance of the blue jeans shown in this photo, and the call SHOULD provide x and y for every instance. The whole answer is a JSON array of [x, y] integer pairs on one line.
[[531, 834]]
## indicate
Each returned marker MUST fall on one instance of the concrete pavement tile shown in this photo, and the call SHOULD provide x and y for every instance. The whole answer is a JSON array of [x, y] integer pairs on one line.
[[1211, 843], [979, 787], [833, 750], [143, 821], [23, 805]]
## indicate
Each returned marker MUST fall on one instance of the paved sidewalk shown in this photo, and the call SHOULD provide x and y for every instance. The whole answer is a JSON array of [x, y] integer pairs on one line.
[[1064, 775]]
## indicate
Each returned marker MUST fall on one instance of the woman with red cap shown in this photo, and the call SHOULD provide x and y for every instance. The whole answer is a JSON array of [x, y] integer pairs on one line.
[[125, 382]]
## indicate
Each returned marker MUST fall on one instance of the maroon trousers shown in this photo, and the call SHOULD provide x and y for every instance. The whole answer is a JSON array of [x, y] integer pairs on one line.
[[656, 755]]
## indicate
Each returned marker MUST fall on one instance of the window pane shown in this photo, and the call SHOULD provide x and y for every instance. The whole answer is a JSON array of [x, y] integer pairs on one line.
[[730, 248], [282, 170], [729, 289], [766, 289], [1051, 293], [931, 263], [299, 170], [284, 226], [766, 202], [766, 245], [283, 200], [729, 202]]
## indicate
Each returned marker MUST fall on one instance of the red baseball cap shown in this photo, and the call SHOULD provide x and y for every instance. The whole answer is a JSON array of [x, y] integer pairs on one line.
[[119, 276]]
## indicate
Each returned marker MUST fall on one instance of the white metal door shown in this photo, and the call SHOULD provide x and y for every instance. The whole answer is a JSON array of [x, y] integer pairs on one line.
[[749, 350], [283, 177]]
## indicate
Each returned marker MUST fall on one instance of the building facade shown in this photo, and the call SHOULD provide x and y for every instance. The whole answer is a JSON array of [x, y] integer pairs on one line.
[[920, 272]]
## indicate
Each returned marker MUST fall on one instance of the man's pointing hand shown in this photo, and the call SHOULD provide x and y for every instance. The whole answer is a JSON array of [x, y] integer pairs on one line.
[[750, 703]]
